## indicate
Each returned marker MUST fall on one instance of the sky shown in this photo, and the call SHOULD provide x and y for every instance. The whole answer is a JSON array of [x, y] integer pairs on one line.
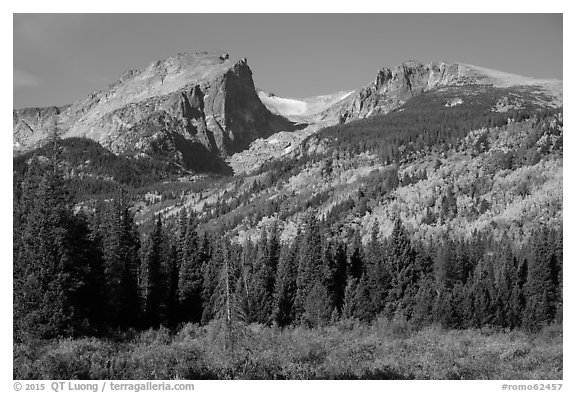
[[60, 58]]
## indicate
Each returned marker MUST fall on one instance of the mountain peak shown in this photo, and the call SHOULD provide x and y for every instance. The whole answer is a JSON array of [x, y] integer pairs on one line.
[[467, 73], [206, 98], [189, 67], [192, 59], [411, 63], [394, 85]]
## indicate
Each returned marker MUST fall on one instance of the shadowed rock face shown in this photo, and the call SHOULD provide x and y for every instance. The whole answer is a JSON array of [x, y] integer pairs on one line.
[[205, 98]]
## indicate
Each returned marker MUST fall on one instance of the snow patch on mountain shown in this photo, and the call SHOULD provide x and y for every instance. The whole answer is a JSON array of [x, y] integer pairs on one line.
[[300, 110], [283, 106], [504, 79]]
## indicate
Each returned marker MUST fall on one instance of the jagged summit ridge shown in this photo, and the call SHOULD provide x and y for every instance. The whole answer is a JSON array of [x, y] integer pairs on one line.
[[443, 73], [393, 86]]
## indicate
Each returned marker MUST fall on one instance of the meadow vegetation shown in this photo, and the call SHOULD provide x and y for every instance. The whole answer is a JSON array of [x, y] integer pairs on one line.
[[347, 349]]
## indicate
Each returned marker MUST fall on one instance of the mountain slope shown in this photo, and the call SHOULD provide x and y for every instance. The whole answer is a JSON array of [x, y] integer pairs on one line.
[[446, 85], [506, 179], [197, 107], [206, 98]]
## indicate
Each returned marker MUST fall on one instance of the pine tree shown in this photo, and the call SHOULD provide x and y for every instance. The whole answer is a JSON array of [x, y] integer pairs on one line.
[[404, 274], [459, 310], [336, 274], [172, 278], [264, 277], [356, 257], [349, 306], [374, 251], [443, 309], [424, 301], [539, 288], [379, 277], [121, 245], [560, 275], [285, 284], [506, 282], [484, 292], [363, 309], [91, 296], [152, 278], [211, 271], [190, 280], [309, 264]]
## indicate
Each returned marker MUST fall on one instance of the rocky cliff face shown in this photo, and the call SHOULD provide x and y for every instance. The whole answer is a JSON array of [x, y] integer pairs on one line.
[[392, 87], [205, 99]]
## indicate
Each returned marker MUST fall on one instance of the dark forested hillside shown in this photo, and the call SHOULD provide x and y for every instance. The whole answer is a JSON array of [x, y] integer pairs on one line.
[[100, 169], [94, 171]]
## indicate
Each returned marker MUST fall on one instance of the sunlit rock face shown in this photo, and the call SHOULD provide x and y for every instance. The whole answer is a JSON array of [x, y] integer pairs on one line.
[[203, 97], [392, 87]]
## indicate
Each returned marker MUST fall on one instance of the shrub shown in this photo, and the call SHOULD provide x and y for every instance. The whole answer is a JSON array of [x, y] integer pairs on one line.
[[189, 331], [387, 349], [552, 331], [75, 359], [154, 336], [397, 327]]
